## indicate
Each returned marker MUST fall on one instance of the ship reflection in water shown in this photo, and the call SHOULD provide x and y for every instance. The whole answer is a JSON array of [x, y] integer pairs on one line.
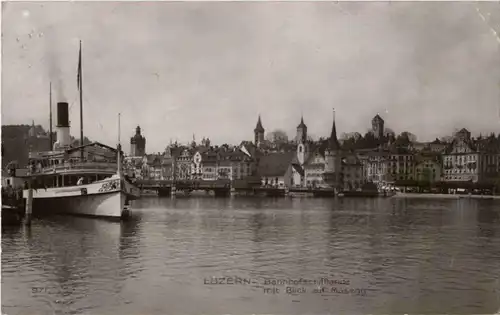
[[243, 256]]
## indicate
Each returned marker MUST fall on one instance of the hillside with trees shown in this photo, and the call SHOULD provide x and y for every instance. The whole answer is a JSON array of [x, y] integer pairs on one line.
[[19, 140]]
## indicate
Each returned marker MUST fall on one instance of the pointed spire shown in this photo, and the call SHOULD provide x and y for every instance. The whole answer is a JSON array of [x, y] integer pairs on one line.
[[259, 127], [333, 142], [302, 125]]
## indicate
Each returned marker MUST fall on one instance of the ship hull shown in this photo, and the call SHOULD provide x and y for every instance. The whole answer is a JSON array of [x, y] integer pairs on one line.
[[110, 205], [108, 198]]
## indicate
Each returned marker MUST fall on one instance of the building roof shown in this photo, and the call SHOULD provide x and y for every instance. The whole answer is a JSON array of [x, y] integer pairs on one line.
[[233, 155], [275, 164], [377, 118], [393, 149], [249, 148], [298, 169], [469, 142], [312, 157], [91, 145]]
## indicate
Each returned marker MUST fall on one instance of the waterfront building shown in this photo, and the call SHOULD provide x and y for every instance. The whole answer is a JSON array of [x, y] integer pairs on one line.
[[400, 163], [352, 170], [137, 143], [314, 169], [224, 169], [275, 169], [471, 160], [183, 164], [376, 164], [489, 152], [203, 163], [152, 166], [196, 166], [461, 159], [209, 164], [235, 164], [167, 167], [132, 166], [428, 167]]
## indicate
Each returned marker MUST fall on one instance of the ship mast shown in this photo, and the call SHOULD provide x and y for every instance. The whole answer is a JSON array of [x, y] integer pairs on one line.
[[119, 148], [50, 117], [80, 79]]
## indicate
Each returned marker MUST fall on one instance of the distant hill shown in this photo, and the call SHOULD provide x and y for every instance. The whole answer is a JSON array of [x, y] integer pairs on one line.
[[19, 140]]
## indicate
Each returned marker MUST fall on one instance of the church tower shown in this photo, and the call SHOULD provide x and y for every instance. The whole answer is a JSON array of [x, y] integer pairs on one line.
[[137, 143], [258, 133], [378, 127], [301, 136], [333, 159]]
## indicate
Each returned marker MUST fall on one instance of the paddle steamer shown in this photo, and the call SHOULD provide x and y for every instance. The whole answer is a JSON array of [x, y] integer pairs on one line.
[[83, 180]]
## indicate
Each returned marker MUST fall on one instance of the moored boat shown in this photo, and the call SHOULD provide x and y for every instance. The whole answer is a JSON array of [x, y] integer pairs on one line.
[[83, 180], [62, 183], [11, 215]]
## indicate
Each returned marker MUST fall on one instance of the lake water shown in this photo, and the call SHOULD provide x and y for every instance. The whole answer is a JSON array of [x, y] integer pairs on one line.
[[231, 256]]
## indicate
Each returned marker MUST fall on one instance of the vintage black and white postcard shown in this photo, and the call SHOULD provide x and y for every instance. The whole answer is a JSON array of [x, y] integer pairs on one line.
[[250, 157]]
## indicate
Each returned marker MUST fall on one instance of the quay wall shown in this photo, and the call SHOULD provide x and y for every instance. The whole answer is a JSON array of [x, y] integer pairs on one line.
[[444, 196]]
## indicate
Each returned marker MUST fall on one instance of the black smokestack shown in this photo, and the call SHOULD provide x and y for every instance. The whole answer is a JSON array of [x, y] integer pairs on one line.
[[62, 114]]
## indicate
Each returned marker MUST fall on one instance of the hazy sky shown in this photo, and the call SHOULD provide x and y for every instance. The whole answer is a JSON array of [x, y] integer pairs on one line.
[[178, 68]]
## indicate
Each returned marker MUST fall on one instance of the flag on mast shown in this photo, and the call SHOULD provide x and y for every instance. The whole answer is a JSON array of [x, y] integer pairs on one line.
[[79, 75]]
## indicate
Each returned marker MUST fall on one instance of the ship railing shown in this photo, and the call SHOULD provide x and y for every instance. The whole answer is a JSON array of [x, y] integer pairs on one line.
[[76, 167]]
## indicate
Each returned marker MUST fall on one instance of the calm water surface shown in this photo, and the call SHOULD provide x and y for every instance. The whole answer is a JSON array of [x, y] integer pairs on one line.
[[398, 256]]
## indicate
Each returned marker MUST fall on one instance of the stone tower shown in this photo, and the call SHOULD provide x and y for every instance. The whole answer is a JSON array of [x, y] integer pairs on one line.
[[137, 143], [302, 145], [259, 133], [378, 127], [333, 160], [301, 136]]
